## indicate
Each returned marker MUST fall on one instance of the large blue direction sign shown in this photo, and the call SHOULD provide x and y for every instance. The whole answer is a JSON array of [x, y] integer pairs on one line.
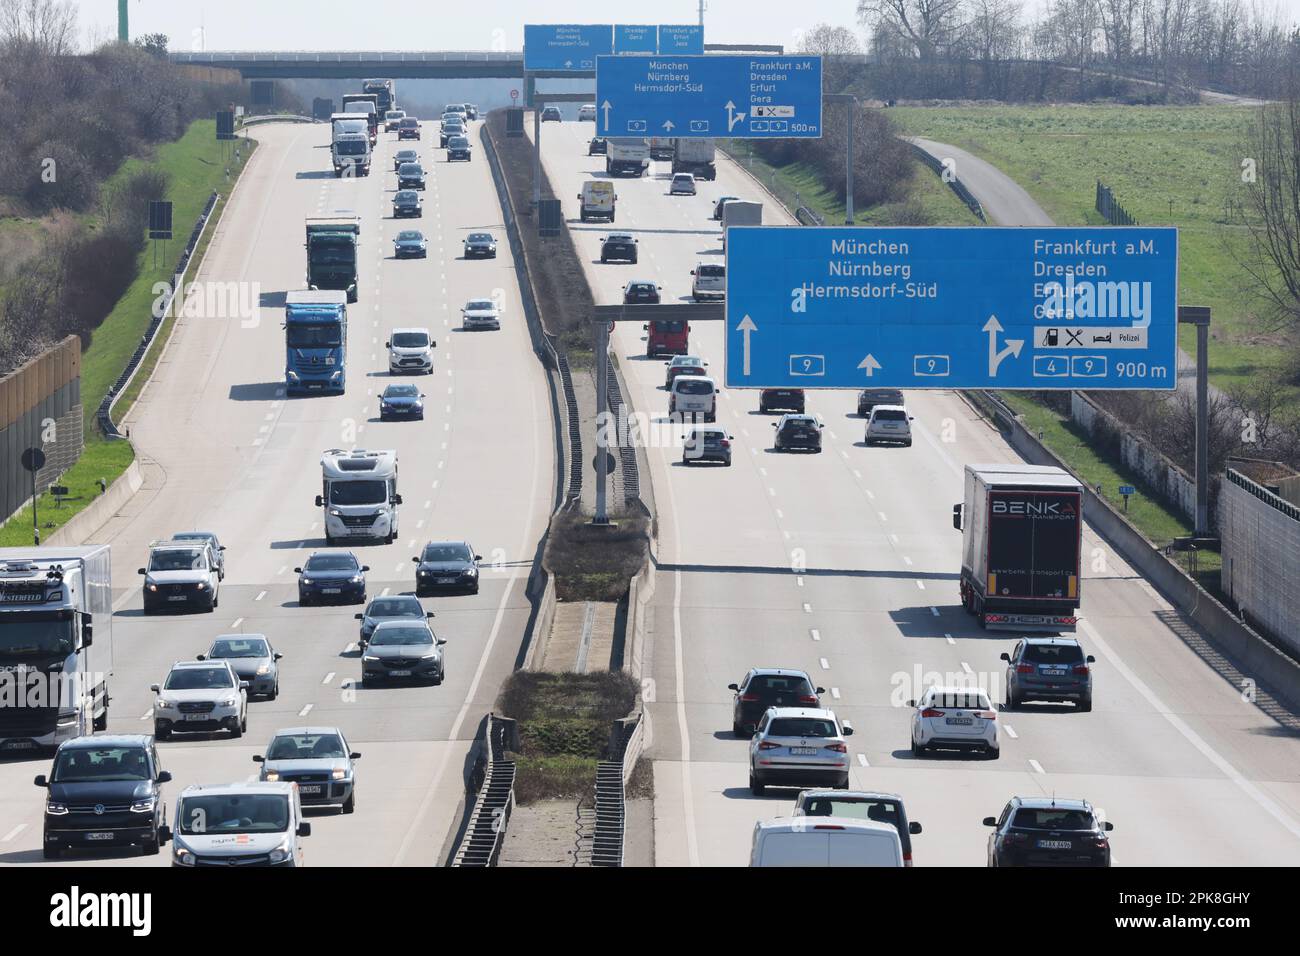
[[737, 96], [566, 47], [975, 307], [681, 40], [632, 38]]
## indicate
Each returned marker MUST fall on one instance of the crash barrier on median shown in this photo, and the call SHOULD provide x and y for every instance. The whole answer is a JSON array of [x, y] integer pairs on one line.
[[957, 186], [639, 592], [611, 789], [278, 118], [104, 416], [629, 470], [486, 831], [40, 407], [1251, 662]]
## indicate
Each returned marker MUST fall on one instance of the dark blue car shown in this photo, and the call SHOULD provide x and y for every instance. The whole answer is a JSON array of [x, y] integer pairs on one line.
[[332, 576], [401, 401]]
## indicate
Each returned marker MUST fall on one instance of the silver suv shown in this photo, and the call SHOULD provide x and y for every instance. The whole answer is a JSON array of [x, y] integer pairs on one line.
[[799, 747]]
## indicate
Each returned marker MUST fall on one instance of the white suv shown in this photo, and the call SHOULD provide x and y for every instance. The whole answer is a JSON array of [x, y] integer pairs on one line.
[[410, 350], [957, 718], [587, 112], [889, 423], [200, 696], [799, 746]]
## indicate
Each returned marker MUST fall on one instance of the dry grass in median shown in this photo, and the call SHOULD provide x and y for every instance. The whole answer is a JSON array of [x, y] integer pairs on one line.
[[591, 563]]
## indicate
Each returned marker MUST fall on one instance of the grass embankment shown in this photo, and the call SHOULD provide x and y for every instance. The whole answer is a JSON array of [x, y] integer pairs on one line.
[[595, 564], [564, 728], [1177, 166], [194, 168], [798, 184]]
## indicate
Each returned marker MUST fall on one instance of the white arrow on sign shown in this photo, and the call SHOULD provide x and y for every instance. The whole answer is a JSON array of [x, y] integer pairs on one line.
[[870, 364], [747, 326], [668, 125], [732, 116], [568, 64], [993, 327], [606, 106]]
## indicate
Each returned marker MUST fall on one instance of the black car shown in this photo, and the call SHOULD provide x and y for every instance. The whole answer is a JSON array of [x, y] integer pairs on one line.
[[598, 146], [765, 687], [783, 399], [458, 147], [707, 444], [619, 246], [407, 202], [551, 114], [639, 293], [410, 242], [218, 549], [1048, 831], [798, 431], [332, 576], [446, 566], [869, 398], [104, 791], [410, 176], [1051, 669], [403, 650], [401, 401], [480, 244], [253, 659], [392, 607]]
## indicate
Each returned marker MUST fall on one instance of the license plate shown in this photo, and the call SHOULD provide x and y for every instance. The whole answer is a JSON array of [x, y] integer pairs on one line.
[[104, 835], [399, 673], [958, 721], [1054, 844], [309, 788], [803, 751], [1053, 673], [331, 590], [198, 717], [446, 580], [19, 745], [176, 597]]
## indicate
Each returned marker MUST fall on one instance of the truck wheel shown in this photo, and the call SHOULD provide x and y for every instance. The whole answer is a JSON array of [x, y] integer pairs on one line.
[[149, 847]]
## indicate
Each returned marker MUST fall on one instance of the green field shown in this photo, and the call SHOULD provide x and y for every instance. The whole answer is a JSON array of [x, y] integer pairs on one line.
[[1166, 165], [101, 459]]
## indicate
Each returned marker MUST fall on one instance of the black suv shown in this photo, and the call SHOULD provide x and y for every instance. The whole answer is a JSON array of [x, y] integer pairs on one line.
[[620, 246], [1048, 831], [782, 399], [707, 444], [797, 431], [598, 146], [406, 202], [637, 293], [765, 687], [410, 176], [104, 791], [869, 398], [446, 566]]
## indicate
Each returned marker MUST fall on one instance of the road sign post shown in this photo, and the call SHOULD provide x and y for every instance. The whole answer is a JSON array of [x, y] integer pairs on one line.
[[710, 97], [33, 459], [952, 308], [851, 101]]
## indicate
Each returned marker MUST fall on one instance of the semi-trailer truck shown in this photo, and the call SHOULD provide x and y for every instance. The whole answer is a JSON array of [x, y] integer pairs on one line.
[[359, 494], [738, 213], [56, 645], [661, 147], [315, 341], [332, 253], [355, 103], [384, 90], [627, 157], [1022, 539], [694, 156]]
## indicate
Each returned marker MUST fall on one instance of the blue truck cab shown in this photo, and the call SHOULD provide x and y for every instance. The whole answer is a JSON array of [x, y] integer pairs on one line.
[[315, 339]]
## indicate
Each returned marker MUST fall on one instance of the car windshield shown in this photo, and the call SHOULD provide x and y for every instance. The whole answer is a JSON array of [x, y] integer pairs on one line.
[[305, 747], [890, 415], [687, 361], [479, 237], [1052, 818], [358, 492], [619, 237], [769, 685], [410, 123], [479, 305], [691, 386], [406, 156], [195, 536], [458, 142], [178, 559], [800, 423], [708, 437], [331, 562], [1053, 654], [356, 147], [410, 169], [641, 288], [447, 552], [803, 727], [198, 678], [711, 272], [301, 336], [668, 326], [100, 765], [406, 197], [401, 391], [855, 808], [240, 647], [883, 397], [402, 636], [395, 607], [960, 699], [209, 814], [684, 178], [409, 340], [409, 236]]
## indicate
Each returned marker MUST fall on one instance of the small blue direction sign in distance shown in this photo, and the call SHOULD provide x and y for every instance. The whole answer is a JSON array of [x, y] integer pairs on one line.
[[566, 47], [976, 307], [633, 38], [1127, 490], [682, 40], [717, 96]]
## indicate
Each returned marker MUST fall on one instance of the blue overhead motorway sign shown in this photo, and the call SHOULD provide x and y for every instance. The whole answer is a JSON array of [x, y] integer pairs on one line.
[[737, 96], [682, 40], [974, 307], [553, 47], [631, 38]]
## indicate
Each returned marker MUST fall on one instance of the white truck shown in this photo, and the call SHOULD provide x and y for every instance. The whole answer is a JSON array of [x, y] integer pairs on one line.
[[597, 200], [738, 213], [350, 149], [359, 494], [56, 644], [627, 157], [694, 156]]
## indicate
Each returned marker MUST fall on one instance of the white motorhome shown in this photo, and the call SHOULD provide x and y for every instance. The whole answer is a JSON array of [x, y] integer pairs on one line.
[[359, 494]]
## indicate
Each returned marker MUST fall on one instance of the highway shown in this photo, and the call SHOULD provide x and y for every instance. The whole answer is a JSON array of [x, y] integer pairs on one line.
[[224, 450], [845, 564]]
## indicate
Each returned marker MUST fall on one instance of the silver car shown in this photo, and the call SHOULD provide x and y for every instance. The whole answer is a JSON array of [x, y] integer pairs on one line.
[[254, 660], [799, 747], [955, 718], [318, 760], [397, 607], [480, 314], [889, 423], [407, 650]]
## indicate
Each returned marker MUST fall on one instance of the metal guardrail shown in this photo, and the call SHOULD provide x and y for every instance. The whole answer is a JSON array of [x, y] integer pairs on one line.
[[611, 796], [104, 416], [626, 450], [485, 832], [957, 186]]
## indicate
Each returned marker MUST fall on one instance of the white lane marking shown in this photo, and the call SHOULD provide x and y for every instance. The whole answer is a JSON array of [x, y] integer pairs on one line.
[[882, 516], [842, 452], [384, 592], [349, 647], [862, 760], [13, 833], [800, 580], [428, 503], [762, 471], [907, 561], [893, 538], [147, 714], [398, 569], [1038, 767], [1191, 736], [328, 677], [920, 584], [263, 429], [948, 638], [260, 595], [772, 492], [807, 608], [835, 692], [934, 610], [693, 853], [824, 663], [815, 634], [870, 494], [419, 524], [780, 514], [306, 710], [283, 568], [856, 473], [238, 621], [966, 667], [1010, 731], [270, 416], [257, 441]]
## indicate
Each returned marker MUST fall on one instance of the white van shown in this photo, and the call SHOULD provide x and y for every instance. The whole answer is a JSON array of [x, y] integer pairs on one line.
[[709, 281], [240, 824], [694, 395], [597, 200], [825, 841], [410, 350]]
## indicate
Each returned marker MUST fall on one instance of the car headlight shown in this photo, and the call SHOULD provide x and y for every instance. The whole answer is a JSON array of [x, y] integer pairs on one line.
[[229, 702], [472, 572], [271, 776], [263, 669], [339, 773], [183, 855], [55, 809], [143, 806], [306, 580], [432, 656], [281, 853], [336, 513], [199, 586], [370, 659], [162, 704], [357, 579], [151, 586]]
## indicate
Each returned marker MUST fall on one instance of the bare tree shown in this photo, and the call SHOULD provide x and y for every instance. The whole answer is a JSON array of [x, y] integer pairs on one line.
[[48, 25], [995, 29], [1117, 20], [932, 27], [833, 44]]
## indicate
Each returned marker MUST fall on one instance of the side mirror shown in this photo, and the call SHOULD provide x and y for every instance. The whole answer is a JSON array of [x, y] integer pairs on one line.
[[154, 688], [415, 560], [692, 272], [304, 829], [734, 687], [297, 570], [913, 827], [320, 502], [911, 703], [164, 776], [429, 614], [221, 547], [1005, 657], [200, 657], [354, 756], [355, 616], [644, 328], [848, 730], [441, 641], [990, 821], [1108, 826], [478, 557], [365, 567], [141, 571], [164, 834], [1091, 659], [388, 345], [276, 656], [397, 499], [243, 685], [258, 758], [821, 690], [956, 517], [40, 780]]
